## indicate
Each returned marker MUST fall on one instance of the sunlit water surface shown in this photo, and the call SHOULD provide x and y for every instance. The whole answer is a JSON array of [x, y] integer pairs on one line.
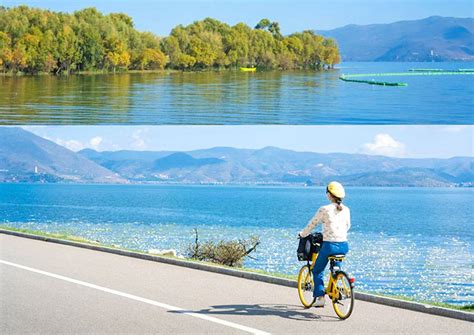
[[233, 97], [415, 242]]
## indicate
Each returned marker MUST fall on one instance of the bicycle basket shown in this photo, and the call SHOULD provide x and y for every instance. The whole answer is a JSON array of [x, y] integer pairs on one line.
[[309, 245]]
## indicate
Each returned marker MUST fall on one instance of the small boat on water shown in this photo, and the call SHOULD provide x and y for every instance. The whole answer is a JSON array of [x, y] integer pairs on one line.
[[248, 69]]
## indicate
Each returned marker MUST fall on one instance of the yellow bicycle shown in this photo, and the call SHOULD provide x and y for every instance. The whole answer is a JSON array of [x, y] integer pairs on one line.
[[339, 288]]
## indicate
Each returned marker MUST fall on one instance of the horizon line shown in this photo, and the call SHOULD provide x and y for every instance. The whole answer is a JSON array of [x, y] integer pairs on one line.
[[259, 149]]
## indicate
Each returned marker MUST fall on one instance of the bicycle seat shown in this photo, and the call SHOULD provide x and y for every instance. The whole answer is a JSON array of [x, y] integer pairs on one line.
[[337, 257]]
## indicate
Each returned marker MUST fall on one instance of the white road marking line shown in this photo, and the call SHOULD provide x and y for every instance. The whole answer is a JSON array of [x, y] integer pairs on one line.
[[137, 298]]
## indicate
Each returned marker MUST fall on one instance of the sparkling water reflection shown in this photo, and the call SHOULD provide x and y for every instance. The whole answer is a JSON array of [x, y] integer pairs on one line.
[[415, 242]]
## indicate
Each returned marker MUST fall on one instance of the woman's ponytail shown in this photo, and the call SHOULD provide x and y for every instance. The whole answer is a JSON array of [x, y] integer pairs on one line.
[[336, 193], [337, 201]]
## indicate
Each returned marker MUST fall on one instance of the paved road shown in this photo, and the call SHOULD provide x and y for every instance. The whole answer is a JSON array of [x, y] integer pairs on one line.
[[52, 288]]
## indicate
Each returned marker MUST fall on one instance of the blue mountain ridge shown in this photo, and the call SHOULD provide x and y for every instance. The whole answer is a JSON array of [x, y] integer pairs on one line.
[[435, 38], [279, 166], [25, 157]]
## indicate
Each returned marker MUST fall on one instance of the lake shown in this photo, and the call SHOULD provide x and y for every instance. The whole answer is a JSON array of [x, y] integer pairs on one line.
[[416, 242], [232, 97]]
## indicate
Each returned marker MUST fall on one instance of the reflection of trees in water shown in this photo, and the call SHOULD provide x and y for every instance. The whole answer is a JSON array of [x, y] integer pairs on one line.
[[185, 97], [266, 90], [233, 87], [84, 98]]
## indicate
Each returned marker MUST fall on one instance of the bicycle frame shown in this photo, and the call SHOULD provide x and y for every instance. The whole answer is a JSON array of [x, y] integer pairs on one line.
[[331, 288], [339, 286], [313, 260]]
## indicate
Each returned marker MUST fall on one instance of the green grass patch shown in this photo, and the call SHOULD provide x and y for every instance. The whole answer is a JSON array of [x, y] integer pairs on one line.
[[466, 308], [66, 237], [61, 236]]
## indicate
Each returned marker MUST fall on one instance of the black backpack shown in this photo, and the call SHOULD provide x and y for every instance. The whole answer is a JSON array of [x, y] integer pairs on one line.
[[309, 245]]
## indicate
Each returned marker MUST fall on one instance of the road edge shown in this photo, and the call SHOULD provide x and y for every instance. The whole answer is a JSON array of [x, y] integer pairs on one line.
[[414, 306]]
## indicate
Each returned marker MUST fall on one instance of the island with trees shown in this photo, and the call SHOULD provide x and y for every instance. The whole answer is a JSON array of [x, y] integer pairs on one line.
[[34, 41]]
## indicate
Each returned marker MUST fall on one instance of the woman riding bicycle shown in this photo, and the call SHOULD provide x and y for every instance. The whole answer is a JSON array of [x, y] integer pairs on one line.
[[336, 220]]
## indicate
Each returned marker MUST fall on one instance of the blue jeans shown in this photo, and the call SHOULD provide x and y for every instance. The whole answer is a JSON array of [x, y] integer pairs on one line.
[[327, 249]]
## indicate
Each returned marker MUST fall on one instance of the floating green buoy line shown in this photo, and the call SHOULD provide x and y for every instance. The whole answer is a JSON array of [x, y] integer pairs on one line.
[[412, 72], [373, 82]]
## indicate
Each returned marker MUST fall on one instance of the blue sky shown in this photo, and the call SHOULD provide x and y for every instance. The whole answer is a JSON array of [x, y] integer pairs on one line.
[[399, 141], [159, 16]]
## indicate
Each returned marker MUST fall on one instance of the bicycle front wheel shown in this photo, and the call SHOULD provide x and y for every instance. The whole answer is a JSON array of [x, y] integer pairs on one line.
[[306, 286], [343, 296]]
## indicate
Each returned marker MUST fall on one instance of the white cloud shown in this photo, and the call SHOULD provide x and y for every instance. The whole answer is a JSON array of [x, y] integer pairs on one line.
[[75, 145], [95, 142], [138, 140], [384, 144], [72, 145]]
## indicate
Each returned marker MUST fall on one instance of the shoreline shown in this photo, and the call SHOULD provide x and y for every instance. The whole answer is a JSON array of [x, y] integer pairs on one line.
[[242, 185], [158, 71], [467, 311], [337, 67]]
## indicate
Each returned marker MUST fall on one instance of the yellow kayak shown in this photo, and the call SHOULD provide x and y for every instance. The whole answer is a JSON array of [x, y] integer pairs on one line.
[[248, 69]]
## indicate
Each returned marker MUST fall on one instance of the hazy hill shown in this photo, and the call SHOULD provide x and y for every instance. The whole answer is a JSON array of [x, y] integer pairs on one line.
[[181, 160], [27, 157], [274, 165], [449, 38]]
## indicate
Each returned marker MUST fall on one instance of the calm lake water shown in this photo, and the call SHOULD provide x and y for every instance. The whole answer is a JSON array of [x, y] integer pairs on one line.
[[416, 242], [232, 97]]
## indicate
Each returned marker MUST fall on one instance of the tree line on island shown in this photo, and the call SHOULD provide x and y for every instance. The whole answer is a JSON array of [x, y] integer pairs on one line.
[[41, 41]]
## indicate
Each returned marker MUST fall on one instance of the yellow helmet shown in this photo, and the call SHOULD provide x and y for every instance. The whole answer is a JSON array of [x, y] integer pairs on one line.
[[336, 189]]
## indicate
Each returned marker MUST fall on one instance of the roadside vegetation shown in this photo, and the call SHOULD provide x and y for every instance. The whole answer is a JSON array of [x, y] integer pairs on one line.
[[230, 253], [61, 236], [36, 41], [467, 308]]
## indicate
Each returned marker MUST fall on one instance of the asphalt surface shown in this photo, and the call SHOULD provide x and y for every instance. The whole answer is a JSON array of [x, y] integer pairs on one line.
[[51, 288]]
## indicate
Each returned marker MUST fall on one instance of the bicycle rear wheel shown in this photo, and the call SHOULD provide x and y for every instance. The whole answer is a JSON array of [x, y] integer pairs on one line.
[[343, 299], [306, 286]]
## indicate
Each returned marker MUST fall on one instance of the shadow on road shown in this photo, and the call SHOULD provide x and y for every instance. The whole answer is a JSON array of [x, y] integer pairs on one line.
[[292, 312]]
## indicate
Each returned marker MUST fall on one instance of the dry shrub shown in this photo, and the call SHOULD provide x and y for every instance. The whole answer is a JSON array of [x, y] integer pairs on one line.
[[230, 253]]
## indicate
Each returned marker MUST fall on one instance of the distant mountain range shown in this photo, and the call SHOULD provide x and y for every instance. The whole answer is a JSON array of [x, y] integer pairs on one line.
[[25, 157], [435, 38], [278, 166]]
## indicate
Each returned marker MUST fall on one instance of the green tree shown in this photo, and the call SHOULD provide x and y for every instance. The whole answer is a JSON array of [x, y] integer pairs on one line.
[[236, 45], [35, 40], [171, 48], [263, 24], [331, 53], [117, 55], [274, 28], [152, 59], [30, 49], [6, 55], [67, 53]]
